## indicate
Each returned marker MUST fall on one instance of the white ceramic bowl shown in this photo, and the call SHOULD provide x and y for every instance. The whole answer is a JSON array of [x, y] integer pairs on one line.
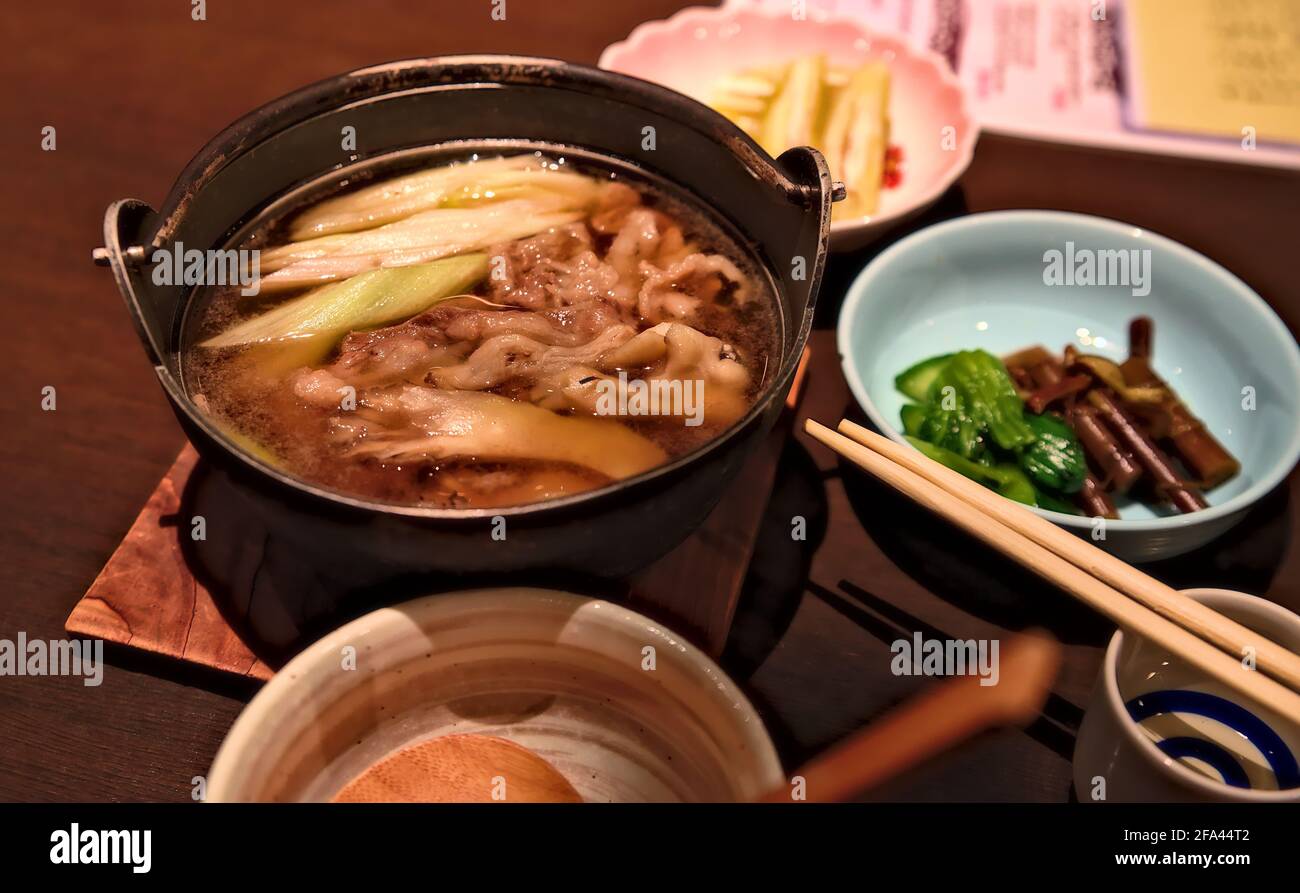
[[695, 48], [1112, 755], [557, 673]]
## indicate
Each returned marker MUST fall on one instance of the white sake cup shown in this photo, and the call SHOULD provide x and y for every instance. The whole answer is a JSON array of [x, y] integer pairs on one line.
[[1114, 755]]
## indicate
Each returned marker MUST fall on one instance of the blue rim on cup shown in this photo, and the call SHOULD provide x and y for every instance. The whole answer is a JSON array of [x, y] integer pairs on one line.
[[963, 284]]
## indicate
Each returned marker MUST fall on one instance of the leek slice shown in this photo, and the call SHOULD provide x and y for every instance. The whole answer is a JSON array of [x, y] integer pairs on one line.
[[484, 426], [457, 185], [421, 238], [372, 299]]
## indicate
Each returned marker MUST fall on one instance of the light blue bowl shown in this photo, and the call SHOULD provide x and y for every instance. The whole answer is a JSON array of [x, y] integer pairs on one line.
[[979, 281]]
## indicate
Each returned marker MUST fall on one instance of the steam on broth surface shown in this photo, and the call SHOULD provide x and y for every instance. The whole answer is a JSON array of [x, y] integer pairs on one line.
[[483, 334]]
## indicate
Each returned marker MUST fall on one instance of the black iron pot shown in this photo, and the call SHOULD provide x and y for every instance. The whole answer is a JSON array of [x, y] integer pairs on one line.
[[781, 210]]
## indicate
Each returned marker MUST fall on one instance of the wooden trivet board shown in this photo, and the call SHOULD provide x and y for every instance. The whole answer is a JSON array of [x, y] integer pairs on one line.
[[147, 597]]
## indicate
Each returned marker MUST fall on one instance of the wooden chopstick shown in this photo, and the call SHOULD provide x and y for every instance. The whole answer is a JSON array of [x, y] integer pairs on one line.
[[1203, 621], [1126, 612]]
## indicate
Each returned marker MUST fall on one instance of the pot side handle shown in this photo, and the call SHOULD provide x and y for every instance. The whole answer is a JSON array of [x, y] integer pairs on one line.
[[128, 225], [811, 187]]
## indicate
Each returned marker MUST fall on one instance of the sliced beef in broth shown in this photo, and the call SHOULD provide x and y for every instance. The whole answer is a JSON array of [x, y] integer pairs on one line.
[[510, 359]]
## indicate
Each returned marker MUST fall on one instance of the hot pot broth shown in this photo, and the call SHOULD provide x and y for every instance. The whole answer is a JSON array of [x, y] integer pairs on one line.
[[484, 334]]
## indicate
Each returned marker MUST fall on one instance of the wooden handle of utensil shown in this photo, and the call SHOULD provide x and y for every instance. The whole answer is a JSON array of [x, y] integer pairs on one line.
[[932, 722]]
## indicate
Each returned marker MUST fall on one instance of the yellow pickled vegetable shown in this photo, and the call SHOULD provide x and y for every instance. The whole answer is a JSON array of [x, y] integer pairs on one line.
[[841, 110]]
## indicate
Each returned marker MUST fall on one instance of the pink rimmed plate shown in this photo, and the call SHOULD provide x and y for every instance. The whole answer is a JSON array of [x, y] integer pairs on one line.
[[930, 115]]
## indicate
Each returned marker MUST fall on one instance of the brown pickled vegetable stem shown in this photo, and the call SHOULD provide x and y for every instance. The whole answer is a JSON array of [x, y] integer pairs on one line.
[[1047, 372], [1196, 446], [1048, 394], [1116, 463], [1184, 497], [1205, 456], [1139, 337], [1093, 499]]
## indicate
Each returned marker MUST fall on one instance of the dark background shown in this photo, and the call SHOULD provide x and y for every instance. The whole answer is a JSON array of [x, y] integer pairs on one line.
[[135, 89]]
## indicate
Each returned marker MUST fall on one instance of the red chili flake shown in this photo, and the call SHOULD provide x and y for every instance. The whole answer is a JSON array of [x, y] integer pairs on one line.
[[893, 173]]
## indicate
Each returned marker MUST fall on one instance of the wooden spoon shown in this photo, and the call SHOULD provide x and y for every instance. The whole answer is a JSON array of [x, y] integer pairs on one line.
[[932, 722], [460, 769]]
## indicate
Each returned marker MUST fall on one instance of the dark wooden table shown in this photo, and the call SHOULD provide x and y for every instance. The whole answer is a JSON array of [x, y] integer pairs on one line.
[[135, 89]]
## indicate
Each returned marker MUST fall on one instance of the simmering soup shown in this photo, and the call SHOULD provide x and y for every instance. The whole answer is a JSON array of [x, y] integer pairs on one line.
[[487, 333]]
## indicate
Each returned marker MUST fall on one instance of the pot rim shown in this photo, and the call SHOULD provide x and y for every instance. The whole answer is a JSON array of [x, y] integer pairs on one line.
[[401, 75]]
